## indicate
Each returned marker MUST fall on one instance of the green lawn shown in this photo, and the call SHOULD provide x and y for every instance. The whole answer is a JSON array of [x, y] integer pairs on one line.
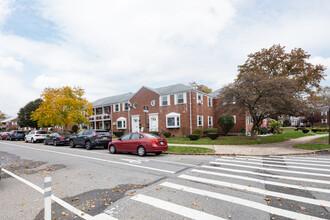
[[241, 140], [312, 146], [325, 139], [179, 149]]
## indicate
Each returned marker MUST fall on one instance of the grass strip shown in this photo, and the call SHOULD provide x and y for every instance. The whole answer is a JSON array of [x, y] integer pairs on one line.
[[195, 150], [312, 146]]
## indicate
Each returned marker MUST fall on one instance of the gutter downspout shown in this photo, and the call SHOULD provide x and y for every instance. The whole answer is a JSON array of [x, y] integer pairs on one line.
[[128, 116], [190, 121]]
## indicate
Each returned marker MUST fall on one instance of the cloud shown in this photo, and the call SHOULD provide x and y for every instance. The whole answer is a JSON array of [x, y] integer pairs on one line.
[[5, 10]]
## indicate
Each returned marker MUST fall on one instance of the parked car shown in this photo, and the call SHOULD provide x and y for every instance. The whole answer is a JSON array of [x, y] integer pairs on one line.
[[15, 135], [91, 138], [3, 135], [57, 139], [140, 143], [36, 136]]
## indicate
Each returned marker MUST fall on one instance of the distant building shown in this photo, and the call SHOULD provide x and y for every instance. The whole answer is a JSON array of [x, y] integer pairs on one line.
[[10, 123]]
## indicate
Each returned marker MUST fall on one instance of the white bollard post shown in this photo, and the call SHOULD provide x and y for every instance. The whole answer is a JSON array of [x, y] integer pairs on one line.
[[48, 199]]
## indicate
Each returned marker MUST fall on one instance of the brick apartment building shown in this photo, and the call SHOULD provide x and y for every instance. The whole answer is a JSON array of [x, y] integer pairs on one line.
[[10, 123], [178, 109]]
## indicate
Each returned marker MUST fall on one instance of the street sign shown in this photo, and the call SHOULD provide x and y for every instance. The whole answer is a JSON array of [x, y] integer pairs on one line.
[[145, 109]]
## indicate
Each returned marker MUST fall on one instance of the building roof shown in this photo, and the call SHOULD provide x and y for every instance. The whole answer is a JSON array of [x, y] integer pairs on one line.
[[9, 119], [172, 89], [113, 99]]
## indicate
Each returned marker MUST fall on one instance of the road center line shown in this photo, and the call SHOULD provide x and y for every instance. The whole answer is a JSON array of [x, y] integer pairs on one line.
[[256, 190], [268, 175], [239, 201], [93, 158], [177, 209]]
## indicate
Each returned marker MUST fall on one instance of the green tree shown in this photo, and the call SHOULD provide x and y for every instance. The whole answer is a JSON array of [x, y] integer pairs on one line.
[[226, 122], [24, 114], [63, 106]]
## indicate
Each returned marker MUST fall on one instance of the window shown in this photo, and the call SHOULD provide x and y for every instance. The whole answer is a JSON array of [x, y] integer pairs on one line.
[[199, 98], [126, 137], [136, 136], [164, 100], [210, 121], [88, 132], [324, 113], [107, 110], [209, 101], [121, 123], [126, 106], [116, 107], [173, 120], [234, 119], [199, 120], [324, 121], [98, 111], [180, 98]]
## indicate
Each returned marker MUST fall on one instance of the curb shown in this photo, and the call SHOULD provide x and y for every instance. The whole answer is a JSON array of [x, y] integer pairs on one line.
[[219, 154]]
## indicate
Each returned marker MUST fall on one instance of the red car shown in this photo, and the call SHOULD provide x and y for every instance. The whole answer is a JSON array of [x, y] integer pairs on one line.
[[3, 136], [140, 143]]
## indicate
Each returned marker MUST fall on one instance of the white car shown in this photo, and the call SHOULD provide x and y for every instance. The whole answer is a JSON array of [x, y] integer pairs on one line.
[[36, 136]]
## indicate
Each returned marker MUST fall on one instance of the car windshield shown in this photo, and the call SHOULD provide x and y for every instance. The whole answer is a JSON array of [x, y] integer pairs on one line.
[[65, 134], [102, 132], [20, 132], [152, 136], [42, 132]]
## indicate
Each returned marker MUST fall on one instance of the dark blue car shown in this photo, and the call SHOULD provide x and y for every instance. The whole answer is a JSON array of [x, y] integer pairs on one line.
[[16, 135]]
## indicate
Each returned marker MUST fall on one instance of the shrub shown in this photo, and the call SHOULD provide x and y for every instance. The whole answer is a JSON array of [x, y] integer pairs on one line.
[[74, 128], [154, 132], [210, 130], [226, 122], [262, 131], [167, 134], [305, 131], [198, 132], [286, 123], [315, 130], [213, 136], [193, 137], [118, 133]]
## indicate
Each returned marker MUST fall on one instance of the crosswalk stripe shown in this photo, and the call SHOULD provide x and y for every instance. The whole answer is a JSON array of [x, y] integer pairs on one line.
[[244, 202], [268, 175], [285, 162], [264, 181], [274, 165], [272, 169], [282, 158], [177, 209], [256, 190], [309, 158]]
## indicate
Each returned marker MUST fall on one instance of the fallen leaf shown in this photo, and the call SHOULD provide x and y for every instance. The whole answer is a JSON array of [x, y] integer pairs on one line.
[[313, 185], [159, 188], [22, 204], [195, 204], [107, 178], [278, 199], [130, 194], [64, 214], [302, 208], [291, 206]]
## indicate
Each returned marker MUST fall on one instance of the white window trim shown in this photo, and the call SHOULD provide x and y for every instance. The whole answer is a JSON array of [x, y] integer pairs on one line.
[[168, 100], [324, 113], [184, 98], [124, 106], [200, 116], [209, 101], [234, 119], [208, 121], [122, 119], [197, 100], [114, 107], [324, 121], [176, 116]]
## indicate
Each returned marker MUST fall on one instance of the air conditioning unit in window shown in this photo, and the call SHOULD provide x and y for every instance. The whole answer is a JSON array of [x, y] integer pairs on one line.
[[200, 101]]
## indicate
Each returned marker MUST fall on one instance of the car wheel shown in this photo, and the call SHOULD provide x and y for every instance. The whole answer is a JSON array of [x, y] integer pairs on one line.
[[25, 140], [141, 151], [45, 142], [72, 145], [11, 139], [32, 141], [88, 145], [158, 153], [112, 149], [55, 143]]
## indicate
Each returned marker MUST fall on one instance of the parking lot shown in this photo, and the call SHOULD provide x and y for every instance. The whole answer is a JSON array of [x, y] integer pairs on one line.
[[126, 186]]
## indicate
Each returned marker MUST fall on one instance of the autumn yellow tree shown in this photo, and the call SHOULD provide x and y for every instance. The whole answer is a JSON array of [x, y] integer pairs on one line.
[[63, 106]]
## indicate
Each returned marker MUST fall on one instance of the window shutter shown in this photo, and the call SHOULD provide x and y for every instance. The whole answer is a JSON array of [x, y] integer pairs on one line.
[[175, 99], [168, 100], [160, 101], [185, 97]]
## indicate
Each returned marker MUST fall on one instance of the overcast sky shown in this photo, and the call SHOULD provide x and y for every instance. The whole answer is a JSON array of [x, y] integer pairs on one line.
[[109, 47]]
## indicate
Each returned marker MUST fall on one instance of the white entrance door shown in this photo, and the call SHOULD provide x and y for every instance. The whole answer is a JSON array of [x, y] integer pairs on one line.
[[153, 122], [135, 123]]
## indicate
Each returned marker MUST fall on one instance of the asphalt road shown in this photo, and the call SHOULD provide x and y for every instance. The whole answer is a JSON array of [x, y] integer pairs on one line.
[[125, 186]]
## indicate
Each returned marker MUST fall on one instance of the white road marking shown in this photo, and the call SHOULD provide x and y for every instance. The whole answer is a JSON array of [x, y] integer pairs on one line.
[[268, 175], [56, 199], [256, 190], [94, 158], [272, 169], [309, 158], [239, 201], [265, 181], [177, 209], [285, 162], [134, 161], [280, 158], [273, 165]]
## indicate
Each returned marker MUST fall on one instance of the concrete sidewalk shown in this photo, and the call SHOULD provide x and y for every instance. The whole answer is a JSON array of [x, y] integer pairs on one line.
[[280, 148]]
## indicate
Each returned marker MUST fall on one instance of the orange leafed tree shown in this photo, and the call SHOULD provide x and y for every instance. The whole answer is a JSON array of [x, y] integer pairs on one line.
[[63, 106]]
